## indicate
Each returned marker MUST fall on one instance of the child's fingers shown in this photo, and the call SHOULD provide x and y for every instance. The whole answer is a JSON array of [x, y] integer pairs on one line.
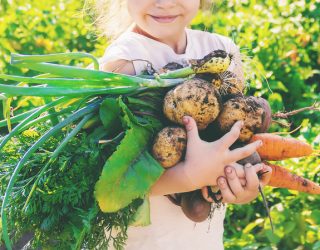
[[251, 177], [229, 138], [205, 194], [226, 192], [243, 152], [258, 167], [239, 169], [192, 129], [234, 181]]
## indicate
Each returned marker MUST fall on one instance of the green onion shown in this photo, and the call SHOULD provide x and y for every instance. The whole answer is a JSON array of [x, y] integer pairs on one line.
[[55, 91], [17, 58], [17, 118], [77, 72], [36, 113], [45, 118], [62, 82]]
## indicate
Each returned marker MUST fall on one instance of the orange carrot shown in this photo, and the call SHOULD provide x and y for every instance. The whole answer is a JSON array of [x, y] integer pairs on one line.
[[276, 147], [283, 178]]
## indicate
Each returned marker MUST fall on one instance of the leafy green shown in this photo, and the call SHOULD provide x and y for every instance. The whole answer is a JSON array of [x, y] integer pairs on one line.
[[110, 114], [130, 171]]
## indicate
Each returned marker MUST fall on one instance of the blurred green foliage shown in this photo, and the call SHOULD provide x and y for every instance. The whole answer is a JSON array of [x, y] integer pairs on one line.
[[280, 43]]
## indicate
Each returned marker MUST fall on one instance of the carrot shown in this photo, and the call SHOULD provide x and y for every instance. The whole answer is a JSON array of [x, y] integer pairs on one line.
[[283, 178], [275, 147]]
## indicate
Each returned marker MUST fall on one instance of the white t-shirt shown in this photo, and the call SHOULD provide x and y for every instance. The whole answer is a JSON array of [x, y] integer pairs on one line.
[[170, 229]]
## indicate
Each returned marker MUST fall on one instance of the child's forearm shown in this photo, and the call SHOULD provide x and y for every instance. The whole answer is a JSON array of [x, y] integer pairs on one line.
[[173, 180]]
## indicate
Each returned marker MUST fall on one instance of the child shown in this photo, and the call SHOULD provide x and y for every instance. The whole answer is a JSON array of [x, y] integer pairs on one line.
[[158, 35]]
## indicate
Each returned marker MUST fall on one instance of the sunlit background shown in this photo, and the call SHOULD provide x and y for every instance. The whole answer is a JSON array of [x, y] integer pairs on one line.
[[280, 44]]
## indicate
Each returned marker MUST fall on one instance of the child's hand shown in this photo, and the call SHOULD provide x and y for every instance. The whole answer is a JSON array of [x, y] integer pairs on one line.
[[205, 161], [241, 183]]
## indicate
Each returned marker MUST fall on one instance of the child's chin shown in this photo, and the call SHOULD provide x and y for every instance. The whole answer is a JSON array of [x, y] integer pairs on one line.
[[163, 33]]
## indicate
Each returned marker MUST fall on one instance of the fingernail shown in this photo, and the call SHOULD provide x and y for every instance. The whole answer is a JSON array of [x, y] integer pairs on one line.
[[185, 120], [240, 124], [228, 170], [259, 143], [248, 165], [221, 182]]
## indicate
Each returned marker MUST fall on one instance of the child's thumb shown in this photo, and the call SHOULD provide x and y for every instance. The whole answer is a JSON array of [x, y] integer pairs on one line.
[[191, 127]]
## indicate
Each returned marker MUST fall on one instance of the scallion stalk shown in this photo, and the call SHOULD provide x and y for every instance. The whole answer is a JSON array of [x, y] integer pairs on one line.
[[18, 58]]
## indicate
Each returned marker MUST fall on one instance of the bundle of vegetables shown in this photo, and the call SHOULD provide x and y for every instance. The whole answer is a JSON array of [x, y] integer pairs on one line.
[[76, 171], [92, 126], [219, 103]]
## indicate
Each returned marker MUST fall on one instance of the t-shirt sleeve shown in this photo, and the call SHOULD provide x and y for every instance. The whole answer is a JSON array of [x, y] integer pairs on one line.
[[124, 50]]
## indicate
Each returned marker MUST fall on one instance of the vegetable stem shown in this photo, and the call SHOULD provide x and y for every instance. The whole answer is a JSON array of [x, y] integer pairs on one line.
[[18, 58], [56, 91], [178, 73], [36, 113]]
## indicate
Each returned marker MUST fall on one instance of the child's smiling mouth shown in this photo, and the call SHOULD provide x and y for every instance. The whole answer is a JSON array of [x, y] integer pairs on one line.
[[164, 19]]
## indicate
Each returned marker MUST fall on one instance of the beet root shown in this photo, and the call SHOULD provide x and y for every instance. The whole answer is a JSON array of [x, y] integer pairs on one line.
[[194, 206]]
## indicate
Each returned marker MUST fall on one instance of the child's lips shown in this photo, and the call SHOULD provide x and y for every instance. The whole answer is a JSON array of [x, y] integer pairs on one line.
[[164, 19]]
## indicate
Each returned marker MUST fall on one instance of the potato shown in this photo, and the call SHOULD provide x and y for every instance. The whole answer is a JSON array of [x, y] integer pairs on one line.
[[247, 109], [194, 206], [195, 98], [169, 146]]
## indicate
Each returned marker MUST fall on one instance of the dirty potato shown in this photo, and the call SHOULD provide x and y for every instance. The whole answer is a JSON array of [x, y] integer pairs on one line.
[[169, 146], [196, 98], [247, 109]]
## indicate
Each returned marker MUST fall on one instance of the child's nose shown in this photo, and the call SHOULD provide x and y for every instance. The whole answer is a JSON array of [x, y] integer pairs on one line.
[[165, 3]]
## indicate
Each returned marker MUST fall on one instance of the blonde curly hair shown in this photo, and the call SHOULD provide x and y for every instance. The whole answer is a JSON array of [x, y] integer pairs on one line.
[[111, 17]]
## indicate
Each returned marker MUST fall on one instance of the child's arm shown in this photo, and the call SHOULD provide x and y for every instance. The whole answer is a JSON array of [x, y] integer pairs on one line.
[[119, 66]]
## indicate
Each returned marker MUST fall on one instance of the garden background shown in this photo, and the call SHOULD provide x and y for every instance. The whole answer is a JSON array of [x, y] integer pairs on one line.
[[280, 43]]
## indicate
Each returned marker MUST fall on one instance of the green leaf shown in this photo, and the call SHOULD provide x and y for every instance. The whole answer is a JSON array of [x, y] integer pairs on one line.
[[315, 215], [131, 171], [273, 238], [128, 119], [289, 226], [109, 114], [127, 175]]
